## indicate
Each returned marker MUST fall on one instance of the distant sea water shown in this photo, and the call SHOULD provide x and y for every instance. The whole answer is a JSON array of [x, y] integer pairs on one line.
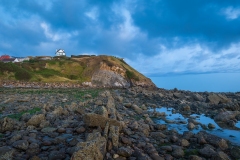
[[214, 82]]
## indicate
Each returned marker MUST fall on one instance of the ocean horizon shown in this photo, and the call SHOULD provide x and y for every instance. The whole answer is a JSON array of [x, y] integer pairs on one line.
[[211, 82]]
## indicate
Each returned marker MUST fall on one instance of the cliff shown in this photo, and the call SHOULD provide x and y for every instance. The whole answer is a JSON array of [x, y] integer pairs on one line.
[[99, 71]]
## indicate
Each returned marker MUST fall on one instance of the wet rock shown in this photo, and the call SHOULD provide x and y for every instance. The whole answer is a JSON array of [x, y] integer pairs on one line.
[[56, 155], [207, 152], [216, 99], [36, 120], [124, 151], [21, 144], [134, 125], [194, 157], [93, 120], [226, 116], [197, 97], [160, 127], [33, 149], [174, 138], [211, 126], [167, 148], [93, 148], [6, 153], [127, 105], [178, 95], [231, 123], [235, 152], [157, 135], [178, 152], [15, 138], [215, 141], [221, 156], [190, 126], [61, 130], [187, 135], [184, 143], [7, 124], [126, 140], [186, 108], [48, 129], [80, 129], [101, 110], [137, 109]]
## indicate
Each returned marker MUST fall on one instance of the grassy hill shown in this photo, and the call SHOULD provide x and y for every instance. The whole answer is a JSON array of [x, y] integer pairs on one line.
[[64, 69]]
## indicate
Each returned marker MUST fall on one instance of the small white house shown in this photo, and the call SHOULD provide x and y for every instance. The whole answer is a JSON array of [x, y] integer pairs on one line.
[[60, 52]]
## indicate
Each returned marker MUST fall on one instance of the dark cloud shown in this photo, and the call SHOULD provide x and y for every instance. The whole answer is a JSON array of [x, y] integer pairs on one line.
[[199, 20], [124, 28]]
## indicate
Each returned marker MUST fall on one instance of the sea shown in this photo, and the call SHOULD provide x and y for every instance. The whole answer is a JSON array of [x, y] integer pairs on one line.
[[212, 82]]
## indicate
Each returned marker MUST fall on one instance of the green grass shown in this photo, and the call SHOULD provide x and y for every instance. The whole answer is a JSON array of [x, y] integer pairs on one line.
[[131, 75], [1, 135], [80, 94], [48, 72], [17, 116]]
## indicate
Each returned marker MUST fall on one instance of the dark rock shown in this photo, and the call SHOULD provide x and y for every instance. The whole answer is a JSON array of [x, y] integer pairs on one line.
[[235, 152], [21, 144], [80, 130], [207, 152], [125, 152], [178, 152], [126, 140], [56, 155], [6, 153]]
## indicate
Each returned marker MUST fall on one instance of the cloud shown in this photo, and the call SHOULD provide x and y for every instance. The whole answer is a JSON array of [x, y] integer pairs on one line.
[[231, 13], [189, 59], [155, 36]]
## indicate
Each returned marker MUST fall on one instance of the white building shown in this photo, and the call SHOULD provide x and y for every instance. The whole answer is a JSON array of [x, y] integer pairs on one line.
[[60, 52]]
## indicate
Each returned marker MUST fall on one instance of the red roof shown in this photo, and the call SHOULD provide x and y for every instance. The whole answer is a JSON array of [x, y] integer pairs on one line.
[[5, 57]]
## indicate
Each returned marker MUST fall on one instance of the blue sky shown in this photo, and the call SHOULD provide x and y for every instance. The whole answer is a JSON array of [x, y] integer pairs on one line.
[[154, 36]]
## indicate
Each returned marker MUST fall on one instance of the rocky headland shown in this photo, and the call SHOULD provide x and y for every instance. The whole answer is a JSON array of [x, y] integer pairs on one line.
[[100, 123]]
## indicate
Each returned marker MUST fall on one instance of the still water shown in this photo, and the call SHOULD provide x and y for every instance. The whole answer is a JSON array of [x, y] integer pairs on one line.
[[214, 82], [175, 121]]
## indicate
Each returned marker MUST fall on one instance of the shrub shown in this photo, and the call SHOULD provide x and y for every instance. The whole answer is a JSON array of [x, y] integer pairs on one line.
[[73, 77], [22, 74], [131, 75], [47, 72]]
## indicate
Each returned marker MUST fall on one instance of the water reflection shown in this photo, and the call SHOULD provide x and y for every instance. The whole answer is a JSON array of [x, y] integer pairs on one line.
[[179, 122]]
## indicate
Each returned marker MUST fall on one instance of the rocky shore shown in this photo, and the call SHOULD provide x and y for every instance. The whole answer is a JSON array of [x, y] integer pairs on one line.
[[94, 124]]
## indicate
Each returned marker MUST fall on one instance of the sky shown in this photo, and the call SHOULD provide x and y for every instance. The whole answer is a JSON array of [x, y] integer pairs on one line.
[[156, 37]]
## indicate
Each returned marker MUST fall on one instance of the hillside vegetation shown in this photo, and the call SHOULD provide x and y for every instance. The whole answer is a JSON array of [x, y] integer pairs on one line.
[[64, 69]]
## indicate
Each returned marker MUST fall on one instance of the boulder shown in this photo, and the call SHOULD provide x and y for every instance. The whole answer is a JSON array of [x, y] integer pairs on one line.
[[36, 120], [216, 99], [101, 110], [21, 144], [178, 95], [137, 109], [125, 151], [95, 120], [93, 148], [190, 126], [7, 124], [178, 152], [6, 153], [214, 140], [226, 116], [207, 152], [56, 155]]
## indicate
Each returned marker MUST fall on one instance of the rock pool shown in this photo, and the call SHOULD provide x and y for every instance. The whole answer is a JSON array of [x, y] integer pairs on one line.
[[179, 122]]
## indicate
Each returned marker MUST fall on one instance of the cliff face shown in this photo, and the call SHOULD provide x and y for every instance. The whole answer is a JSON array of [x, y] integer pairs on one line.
[[115, 76], [99, 71]]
